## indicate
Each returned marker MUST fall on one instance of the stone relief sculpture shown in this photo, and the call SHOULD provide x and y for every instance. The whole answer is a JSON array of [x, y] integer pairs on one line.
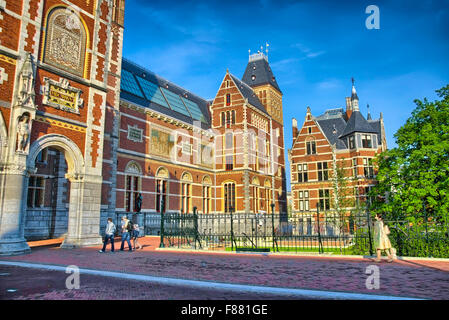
[[23, 132], [66, 41]]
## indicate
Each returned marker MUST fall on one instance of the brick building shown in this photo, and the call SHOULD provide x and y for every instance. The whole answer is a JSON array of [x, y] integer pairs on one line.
[[336, 140], [59, 97], [83, 133], [180, 151]]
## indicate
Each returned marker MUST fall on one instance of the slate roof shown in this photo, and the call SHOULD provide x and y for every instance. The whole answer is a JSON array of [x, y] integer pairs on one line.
[[336, 128], [258, 72], [137, 97], [332, 128], [357, 123], [248, 93]]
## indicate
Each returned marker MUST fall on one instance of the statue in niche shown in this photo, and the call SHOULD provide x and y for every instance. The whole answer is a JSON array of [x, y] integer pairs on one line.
[[23, 132]]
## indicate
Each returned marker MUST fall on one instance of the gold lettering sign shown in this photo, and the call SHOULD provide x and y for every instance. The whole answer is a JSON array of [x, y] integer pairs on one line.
[[63, 97]]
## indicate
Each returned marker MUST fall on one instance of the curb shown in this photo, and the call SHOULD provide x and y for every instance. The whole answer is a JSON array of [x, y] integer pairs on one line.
[[299, 255]]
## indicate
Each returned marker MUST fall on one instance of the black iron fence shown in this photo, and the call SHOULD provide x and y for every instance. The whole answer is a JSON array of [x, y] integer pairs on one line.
[[323, 232]]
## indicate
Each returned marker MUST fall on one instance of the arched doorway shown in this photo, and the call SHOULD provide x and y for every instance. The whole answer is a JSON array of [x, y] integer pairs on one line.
[[84, 192], [48, 197]]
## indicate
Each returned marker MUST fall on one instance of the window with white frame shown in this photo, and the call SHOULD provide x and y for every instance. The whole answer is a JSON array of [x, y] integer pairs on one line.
[[36, 188], [303, 197]]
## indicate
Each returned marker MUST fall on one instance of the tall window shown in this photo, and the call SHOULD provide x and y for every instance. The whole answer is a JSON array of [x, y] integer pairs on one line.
[[223, 119], [229, 146], [267, 199], [161, 195], [256, 199], [303, 200], [229, 197], [228, 119], [368, 168], [131, 192], [311, 147], [206, 199], [186, 197], [36, 187], [229, 163], [303, 175], [323, 173], [351, 142], [324, 199], [354, 167], [366, 141], [228, 99], [233, 116]]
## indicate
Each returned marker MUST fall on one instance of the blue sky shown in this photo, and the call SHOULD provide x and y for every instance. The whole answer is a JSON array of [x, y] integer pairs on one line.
[[315, 49]]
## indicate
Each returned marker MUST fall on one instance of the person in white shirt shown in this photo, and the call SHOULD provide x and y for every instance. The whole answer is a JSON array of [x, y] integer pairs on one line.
[[109, 235]]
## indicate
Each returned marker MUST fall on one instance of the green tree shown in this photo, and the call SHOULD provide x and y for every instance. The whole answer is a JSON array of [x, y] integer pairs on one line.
[[414, 175]]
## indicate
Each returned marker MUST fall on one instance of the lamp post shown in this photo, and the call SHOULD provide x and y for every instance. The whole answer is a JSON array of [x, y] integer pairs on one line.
[[272, 222], [162, 206]]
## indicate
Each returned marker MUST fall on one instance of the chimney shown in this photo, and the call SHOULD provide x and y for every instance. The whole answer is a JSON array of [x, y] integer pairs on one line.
[[348, 107], [295, 128]]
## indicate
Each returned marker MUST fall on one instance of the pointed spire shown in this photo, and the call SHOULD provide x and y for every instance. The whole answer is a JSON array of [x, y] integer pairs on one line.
[[354, 92], [368, 117], [354, 98]]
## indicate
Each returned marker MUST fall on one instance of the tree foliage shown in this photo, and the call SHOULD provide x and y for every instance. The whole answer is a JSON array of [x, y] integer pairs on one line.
[[414, 176]]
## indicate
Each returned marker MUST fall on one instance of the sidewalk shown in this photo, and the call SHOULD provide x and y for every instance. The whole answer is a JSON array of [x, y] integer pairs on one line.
[[411, 278]]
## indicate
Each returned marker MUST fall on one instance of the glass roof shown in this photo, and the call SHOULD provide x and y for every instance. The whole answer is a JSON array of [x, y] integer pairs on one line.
[[128, 83], [152, 92], [194, 109], [175, 102]]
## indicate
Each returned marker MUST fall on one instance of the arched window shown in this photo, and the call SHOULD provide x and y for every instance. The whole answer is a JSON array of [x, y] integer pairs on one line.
[[229, 197], [207, 182], [161, 189], [186, 193], [256, 195], [132, 185], [267, 195], [65, 41]]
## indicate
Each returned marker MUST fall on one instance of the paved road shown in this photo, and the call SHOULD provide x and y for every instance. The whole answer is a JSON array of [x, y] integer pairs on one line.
[[422, 279]]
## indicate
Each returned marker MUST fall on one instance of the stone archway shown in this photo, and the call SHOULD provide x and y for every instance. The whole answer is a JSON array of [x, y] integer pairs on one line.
[[85, 191]]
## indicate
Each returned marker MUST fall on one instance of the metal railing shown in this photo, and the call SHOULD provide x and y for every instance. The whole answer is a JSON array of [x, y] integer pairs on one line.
[[321, 232]]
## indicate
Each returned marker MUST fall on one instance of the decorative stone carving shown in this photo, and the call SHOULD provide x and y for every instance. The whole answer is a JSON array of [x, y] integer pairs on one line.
[[23, 133], [25, 92], [61, 95], [65, 45]]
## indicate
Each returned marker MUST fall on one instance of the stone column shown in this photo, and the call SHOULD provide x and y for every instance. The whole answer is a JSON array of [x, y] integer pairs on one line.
[[13, 195], [84, 211]]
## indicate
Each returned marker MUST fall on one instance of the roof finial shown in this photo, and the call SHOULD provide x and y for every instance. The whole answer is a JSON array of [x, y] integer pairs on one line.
[[368, 117], [266, 50], [354, 93]]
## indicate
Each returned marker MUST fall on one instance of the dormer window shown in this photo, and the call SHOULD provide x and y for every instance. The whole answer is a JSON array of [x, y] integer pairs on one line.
[[253, 77], [351, 142], [366, 141]]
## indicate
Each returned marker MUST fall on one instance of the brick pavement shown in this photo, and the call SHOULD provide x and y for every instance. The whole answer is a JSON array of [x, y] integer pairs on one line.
[[418, 278]]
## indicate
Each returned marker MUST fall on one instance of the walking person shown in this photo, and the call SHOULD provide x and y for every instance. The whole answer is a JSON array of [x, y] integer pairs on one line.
[[126, 229], [135, 236], [381, 240], [109, 235]]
